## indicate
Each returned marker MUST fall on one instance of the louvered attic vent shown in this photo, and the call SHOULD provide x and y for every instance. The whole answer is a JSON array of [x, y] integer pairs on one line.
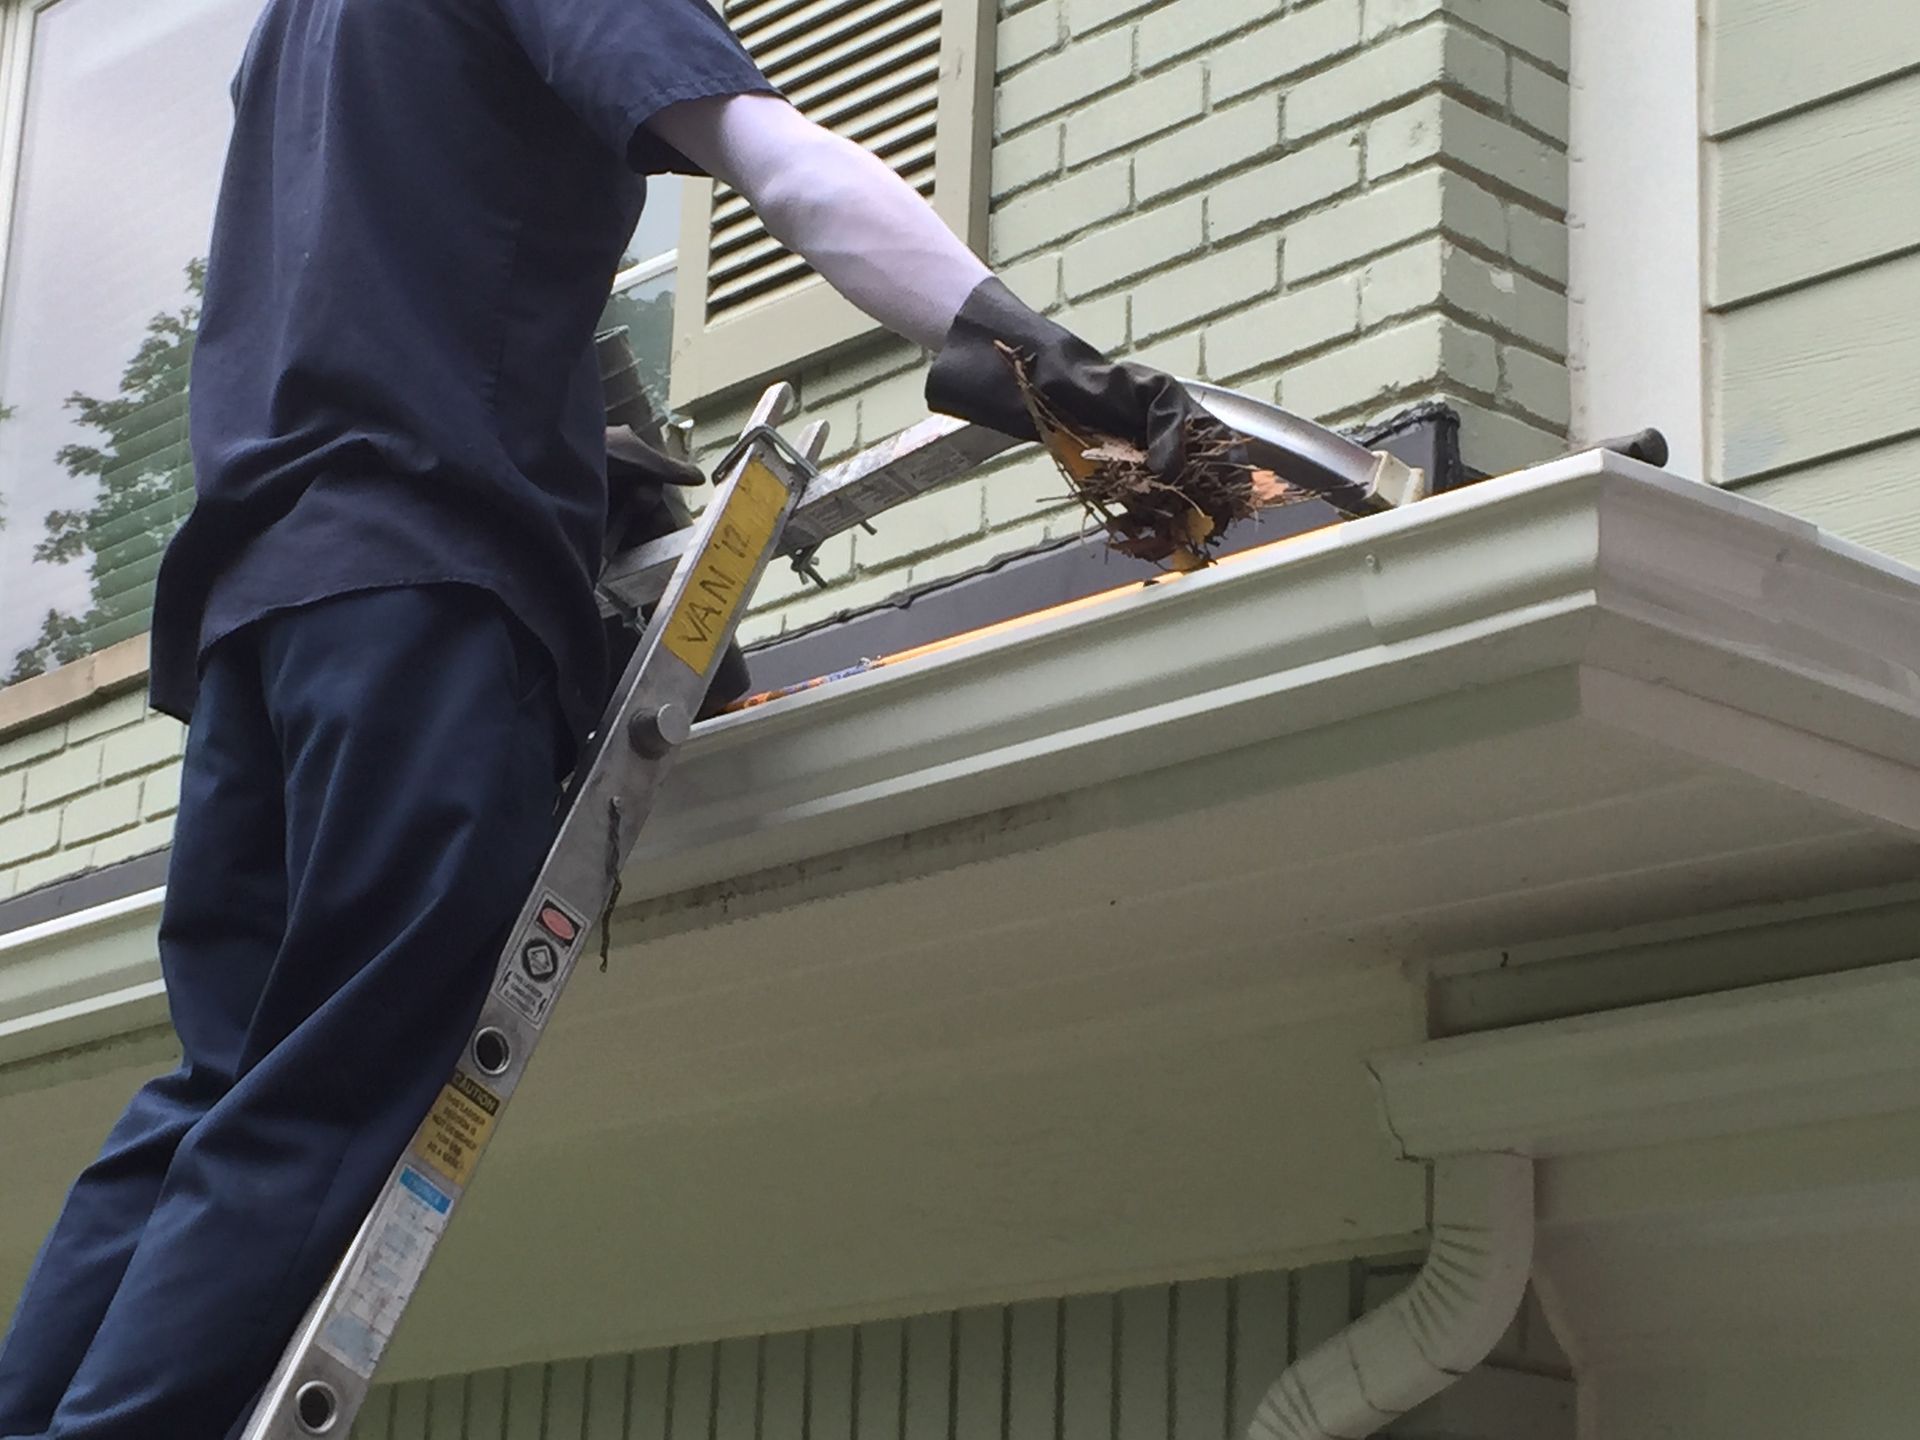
[[900, 77], [868, 71]]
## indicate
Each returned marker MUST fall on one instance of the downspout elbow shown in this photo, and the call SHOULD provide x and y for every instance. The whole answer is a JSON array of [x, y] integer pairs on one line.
[[1432, 1333]]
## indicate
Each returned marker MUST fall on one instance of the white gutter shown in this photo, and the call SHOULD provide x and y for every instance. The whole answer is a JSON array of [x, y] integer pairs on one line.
[[142, 902], [1595, 561], [1433, 1332], [82, 978]]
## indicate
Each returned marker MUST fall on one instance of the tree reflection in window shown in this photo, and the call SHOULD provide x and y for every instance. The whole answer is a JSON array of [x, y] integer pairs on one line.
[[140, 469], [646, 310], [142, 474]]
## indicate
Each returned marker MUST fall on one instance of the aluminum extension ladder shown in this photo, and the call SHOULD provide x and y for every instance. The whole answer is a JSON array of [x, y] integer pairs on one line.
[[771, 500]]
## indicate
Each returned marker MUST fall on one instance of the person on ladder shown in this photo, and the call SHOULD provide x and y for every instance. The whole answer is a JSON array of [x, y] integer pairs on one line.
[[380, 615]]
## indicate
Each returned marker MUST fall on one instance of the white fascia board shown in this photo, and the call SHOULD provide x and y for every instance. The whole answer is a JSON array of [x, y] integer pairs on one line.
[[1796, 1052], [1654, 592]]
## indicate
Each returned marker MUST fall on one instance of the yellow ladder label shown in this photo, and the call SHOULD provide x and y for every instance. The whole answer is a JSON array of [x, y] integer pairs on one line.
[[725, 570]]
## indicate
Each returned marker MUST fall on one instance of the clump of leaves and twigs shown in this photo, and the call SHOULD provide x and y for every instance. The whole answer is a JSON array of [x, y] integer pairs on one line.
[[1176, 522]]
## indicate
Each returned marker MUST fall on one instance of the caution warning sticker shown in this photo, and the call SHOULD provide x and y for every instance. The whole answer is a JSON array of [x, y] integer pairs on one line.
[[725, 568], [456, 1129]]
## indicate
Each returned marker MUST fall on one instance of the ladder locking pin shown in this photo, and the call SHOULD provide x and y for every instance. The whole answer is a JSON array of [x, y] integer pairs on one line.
[[655, 732]]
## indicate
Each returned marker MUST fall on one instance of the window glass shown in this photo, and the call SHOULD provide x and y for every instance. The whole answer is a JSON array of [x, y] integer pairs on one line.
[[643, 293], [124, 129], [646, 309], [125, 124], [659, 228]]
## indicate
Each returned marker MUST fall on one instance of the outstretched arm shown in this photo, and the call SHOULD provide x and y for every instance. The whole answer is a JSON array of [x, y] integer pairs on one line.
[[876, 241], [866, 231]]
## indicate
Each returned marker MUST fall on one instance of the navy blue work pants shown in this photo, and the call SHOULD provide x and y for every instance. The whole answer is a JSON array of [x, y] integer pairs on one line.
[[369, 791]]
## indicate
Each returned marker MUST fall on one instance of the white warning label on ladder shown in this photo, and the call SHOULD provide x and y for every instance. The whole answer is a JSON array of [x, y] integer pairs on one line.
[[401, 1236]]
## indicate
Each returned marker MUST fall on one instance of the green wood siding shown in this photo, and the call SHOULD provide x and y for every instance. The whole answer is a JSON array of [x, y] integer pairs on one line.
[[1815, 193], [1766, 57], [1183, 1361], [1813, 283], [1161, 1362]]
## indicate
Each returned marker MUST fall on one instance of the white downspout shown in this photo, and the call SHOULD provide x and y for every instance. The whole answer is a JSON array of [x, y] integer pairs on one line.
[[1433, 1332]]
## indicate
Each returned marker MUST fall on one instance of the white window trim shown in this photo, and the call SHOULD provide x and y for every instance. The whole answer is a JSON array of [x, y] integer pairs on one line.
[[646, 270], [17, 19], [1635, 224]]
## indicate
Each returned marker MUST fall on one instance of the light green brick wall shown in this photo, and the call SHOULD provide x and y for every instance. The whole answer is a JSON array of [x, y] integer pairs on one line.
[[1345, 205], [89, 790], [1162, 1362]]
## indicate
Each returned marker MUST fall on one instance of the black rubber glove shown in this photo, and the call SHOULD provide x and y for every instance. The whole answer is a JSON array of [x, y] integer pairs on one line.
[[972, 380], [638, 479]]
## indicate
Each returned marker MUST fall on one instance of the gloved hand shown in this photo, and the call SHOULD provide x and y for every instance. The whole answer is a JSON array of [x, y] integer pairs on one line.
[[1163, 476], [631, 460], [1092, 395], [639, 505]]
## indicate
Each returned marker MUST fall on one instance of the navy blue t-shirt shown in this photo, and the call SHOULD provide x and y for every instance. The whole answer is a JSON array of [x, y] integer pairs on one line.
[[394, 383]]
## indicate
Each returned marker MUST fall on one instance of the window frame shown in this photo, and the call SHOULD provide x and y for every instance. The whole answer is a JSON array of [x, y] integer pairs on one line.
[[665, 263], [43, 700], [18, 19], [39, 700], [18, 25], [813, 323], [645, 272]]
